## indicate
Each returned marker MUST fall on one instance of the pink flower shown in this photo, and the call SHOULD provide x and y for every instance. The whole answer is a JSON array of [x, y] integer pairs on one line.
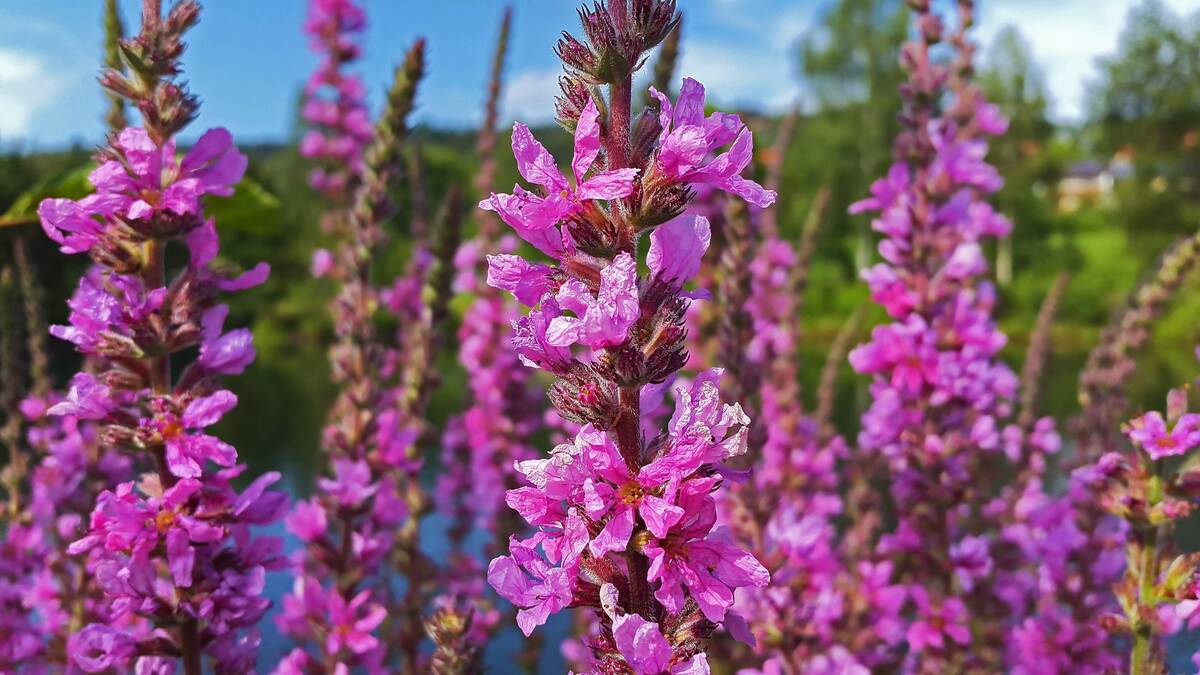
[[224, 353], [352, 623], [540, 584], [933, 624], [97, 648], [351, 484], [307, 521], [676, 248], [710, 567], [702, 428], [87, 399], [614, 491], [187, 452], [533, 216], [527, 281], [73, 224], [125, 522], [647, 651], [602, 320], [886, 191], [530, 340], [688, 139], [322, 263], [906, 349], [152, 180], [1150, 433], [104, 311]]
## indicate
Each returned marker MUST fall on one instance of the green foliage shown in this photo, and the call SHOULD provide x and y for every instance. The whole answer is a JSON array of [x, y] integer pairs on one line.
[[69, 184]]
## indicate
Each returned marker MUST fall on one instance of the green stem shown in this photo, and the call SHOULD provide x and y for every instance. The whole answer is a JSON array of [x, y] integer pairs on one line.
[[1147, 574], [154, 275], [190, 646]]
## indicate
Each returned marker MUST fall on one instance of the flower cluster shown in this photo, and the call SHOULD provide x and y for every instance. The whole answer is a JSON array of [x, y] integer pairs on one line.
[[1158, 591], [625, 521], [350, 529], [51, 590], [334, 101], [481, 446], [940, 396], [171, 551]]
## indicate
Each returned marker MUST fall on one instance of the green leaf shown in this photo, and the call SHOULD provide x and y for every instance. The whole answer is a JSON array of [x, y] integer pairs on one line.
[[250, 208], [69, 184]]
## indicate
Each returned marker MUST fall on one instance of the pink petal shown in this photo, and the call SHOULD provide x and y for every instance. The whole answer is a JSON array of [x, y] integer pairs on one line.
[[677, 247], [534, 162], [608, 185], [615, 535], [689, 107], [208, 410], [587, 140], [527, 281], [659, 515]]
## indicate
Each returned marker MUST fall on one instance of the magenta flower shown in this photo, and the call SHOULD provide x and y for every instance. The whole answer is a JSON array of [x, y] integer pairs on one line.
[[648, 652], [688, 140], [531, 343], [97, 648], [676, 249], [123, 522], [224, 353], [144, 180], [87, 399], [351, 484], [540, 584], [604, 319], [1150, 433], [187, 452], [307, 521], [352, 623], [533, 216], [104, 312], [527, 281], [905, 350], [886, 192], [322, 263], [615, 492], [934, 624], [702, 428], [705, 563]]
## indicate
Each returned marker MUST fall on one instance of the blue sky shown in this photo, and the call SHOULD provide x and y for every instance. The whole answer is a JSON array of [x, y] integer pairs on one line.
[[248, 58]]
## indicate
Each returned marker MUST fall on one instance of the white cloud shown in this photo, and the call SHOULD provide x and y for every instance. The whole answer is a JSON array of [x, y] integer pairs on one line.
[[726, 72], [26, 87], [1066, 36], [529, 97]]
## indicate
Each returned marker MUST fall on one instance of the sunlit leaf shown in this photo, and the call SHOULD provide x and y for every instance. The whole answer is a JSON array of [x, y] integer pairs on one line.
[[70, 184]]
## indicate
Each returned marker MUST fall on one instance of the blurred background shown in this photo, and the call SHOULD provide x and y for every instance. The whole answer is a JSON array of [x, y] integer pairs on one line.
[[1102, 159]]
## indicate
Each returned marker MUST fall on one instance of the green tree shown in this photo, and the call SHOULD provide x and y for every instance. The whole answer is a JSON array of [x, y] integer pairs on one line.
[[1146, 103], [851, 71], [1011, 78]]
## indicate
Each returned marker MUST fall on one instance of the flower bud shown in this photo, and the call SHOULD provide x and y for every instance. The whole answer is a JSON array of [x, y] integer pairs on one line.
[[1177, 405]]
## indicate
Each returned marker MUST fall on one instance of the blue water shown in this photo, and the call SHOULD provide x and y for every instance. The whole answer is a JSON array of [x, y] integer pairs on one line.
[[500, 654]]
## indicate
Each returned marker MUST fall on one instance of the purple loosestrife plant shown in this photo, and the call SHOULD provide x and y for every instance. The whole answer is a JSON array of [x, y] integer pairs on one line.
[[1159, 592], [625, 522], [334, 101], [172, 551], [337, 609], [996, 578], [54, 588], [481, 446], [939, 393]]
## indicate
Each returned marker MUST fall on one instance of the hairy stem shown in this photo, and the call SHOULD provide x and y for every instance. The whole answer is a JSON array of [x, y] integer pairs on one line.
[[485, 146], [189, 644], [154, 273]]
